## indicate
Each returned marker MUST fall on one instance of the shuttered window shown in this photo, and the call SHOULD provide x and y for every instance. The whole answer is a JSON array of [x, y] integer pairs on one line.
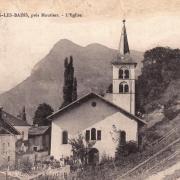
[[99, 135], [87, 135], [65, 137]]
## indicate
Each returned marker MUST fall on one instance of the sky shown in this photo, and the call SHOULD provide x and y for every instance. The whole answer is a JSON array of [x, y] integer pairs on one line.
[[25, 41]]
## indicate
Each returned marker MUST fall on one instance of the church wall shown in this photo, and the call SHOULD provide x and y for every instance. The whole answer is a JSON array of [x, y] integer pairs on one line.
[[125, 101], [131, 84], [106, 146], [58, 150], [84, 115], [117, 67]]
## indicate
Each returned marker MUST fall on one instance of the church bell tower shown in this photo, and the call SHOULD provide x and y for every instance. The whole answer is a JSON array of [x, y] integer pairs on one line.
[[123, 92]]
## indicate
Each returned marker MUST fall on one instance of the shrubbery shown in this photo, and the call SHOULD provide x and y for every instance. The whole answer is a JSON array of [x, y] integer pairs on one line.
[[160, 66], [126, 149]]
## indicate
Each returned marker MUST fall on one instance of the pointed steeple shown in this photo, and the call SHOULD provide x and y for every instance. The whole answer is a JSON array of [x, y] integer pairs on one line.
[[123, 55], [123, 45]]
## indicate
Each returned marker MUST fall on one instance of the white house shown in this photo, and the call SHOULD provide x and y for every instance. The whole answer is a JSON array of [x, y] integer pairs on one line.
[[20, 125], [8, 137], [97, 118]]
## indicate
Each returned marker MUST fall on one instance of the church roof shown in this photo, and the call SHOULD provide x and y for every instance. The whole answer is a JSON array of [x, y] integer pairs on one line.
[[123, 44], [123, 56], [87, 97]]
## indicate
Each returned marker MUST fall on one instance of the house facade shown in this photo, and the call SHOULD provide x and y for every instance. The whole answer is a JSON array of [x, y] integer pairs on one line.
[[97, 120], [102, 122], [8, 138], [20, 125], [7, 149], [39, 139]]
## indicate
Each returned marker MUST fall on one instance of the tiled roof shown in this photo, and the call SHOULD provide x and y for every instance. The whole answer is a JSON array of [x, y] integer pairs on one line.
[[14, 121], [4, 131], [88, 96], [40, 130], [126, 59], [6, 128]]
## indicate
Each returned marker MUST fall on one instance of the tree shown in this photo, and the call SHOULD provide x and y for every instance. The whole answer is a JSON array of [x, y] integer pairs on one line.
[[160, 66], [41, 113], [80, 148], [110, 88], [70, 83], [74, 93]]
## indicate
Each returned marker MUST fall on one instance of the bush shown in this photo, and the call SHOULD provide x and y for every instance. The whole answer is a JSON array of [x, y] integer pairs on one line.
[[170, 114], [127, 149], [131, 147], [26, 166], [151, 136], [51, 158]]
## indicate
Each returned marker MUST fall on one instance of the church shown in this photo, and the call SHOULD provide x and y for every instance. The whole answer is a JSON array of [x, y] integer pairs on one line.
[[101, 120]]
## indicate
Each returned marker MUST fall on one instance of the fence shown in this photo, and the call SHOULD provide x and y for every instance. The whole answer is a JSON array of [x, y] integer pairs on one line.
[[54, 174]]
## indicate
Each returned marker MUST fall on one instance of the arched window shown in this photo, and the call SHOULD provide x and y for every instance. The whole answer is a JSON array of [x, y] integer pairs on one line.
[[123, 87], [122, 137], [126, 88], [123, 73], [120, 74], [93, 134], [64, 137], [126, 74]]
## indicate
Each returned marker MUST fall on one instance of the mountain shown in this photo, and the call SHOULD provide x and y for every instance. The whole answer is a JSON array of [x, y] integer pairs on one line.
[[92, 68]]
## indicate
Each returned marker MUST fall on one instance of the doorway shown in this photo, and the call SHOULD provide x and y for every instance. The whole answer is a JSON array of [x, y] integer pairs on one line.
[[93, 156]]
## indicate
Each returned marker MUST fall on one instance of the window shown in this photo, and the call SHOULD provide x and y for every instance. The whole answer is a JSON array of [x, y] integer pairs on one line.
[[3, 148], [8, 158], [126, 88], [126, 74], [99, 135], [93, 134], [123, 73], [87, 135], [65, 137], [120, 74], [122, 137], [35, 148], [123, 87], [93, 104]]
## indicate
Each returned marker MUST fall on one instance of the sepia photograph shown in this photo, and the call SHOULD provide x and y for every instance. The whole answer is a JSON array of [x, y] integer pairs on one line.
[[90, 90]]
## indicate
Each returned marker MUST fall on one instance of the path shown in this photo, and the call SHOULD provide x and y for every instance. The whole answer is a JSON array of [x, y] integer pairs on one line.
[[160, 175], [2, 176]]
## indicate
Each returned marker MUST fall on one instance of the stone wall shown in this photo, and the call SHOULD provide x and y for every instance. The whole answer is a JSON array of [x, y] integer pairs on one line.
[[7, 150]]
